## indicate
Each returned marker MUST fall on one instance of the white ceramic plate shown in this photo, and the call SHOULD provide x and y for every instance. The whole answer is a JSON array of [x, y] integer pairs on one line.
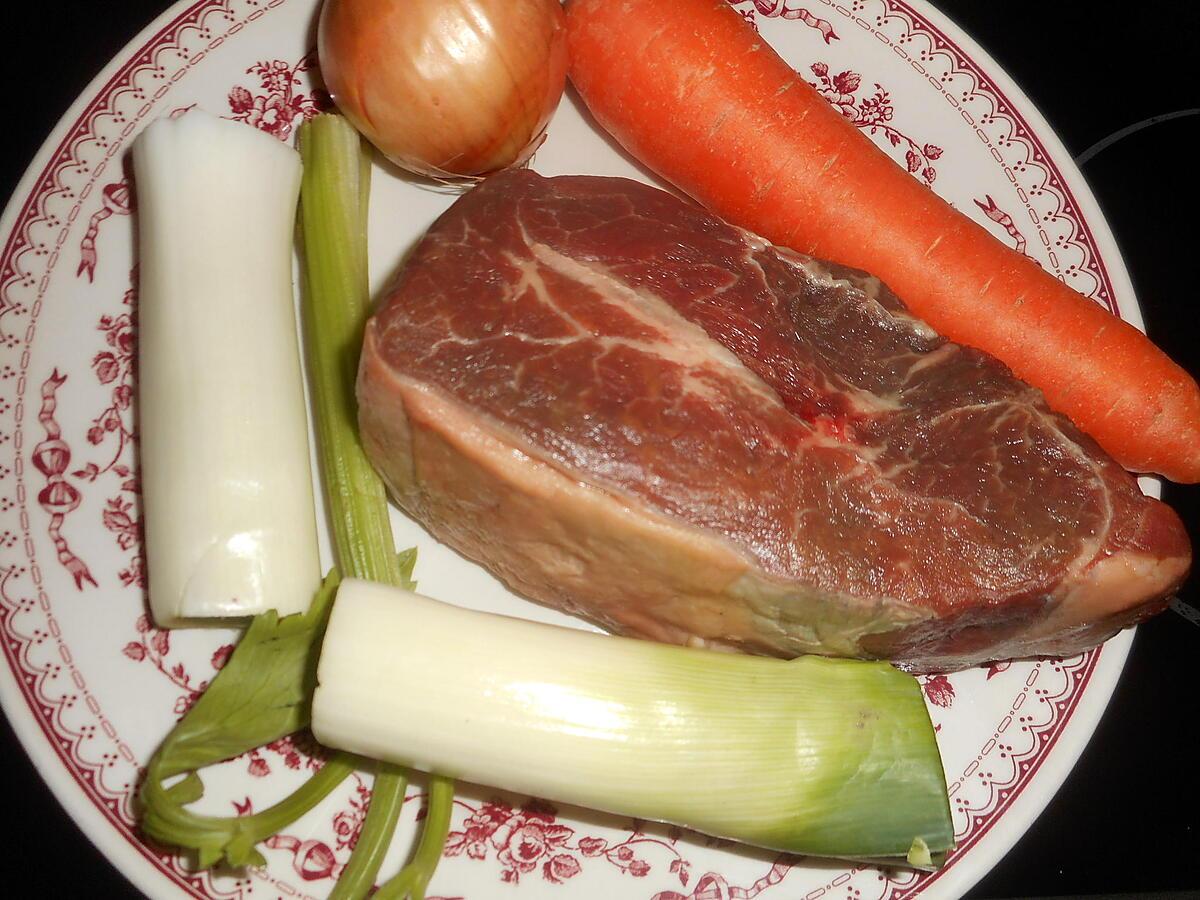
[[91, 689]]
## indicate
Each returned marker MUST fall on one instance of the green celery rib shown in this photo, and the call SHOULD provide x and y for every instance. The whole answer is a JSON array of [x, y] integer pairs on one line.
[[387, 799], [333, 215], [333, 207], [262, 693], [230, 837], [412, 880]]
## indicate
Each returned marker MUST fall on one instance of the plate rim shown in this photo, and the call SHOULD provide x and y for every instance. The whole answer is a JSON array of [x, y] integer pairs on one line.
[[1060, 759], [87, 816]]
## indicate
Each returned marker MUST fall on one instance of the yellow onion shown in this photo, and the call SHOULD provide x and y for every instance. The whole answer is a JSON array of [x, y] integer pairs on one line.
[[446, 88]]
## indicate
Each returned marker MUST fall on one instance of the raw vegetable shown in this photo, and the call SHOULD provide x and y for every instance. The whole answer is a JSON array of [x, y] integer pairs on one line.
[[336, 301], [813, 755], [751, 140], [264, 691], [226, 478], [446, 88], [261, 694], [333, 217]]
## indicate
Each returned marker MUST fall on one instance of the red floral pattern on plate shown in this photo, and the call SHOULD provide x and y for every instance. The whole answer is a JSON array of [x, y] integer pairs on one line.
[[712, 886], [113, 367], [531, 838], [118, 200], [873, 114], [59, 497], [348, 823], [784, 9], [938, 690], [278, 107], [1004, 220], [995, 668]]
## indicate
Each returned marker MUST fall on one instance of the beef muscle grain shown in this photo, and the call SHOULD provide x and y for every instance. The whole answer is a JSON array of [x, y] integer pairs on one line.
[[627, 409]]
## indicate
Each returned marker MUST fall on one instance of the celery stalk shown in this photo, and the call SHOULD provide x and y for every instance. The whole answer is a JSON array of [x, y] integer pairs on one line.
[[387, 800], [813, 756], [415, 876], [262, 693], [333, 215]]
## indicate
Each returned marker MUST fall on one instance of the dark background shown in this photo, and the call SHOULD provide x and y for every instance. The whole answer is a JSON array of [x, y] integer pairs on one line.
[[1126, 821]]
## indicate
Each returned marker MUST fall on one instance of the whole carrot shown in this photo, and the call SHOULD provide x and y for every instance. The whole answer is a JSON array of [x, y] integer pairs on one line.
[[691, 90]]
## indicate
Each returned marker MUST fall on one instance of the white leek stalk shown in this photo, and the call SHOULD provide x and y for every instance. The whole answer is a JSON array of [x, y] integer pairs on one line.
[[227, 488], [818, 756]]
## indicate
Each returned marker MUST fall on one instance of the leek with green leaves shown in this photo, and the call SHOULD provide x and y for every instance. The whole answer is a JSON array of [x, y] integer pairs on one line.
[[816, 756]]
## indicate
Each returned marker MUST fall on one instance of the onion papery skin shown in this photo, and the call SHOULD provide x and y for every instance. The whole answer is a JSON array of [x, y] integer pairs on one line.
[[446, 88]]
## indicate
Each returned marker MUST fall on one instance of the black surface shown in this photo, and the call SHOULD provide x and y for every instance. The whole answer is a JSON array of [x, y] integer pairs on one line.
[[1126, 821]]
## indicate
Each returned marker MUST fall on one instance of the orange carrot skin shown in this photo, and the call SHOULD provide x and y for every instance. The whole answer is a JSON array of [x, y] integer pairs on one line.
[[691, 90]]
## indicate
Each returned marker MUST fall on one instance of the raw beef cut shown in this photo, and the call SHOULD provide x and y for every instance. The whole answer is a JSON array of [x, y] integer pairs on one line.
[[627, 409]]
